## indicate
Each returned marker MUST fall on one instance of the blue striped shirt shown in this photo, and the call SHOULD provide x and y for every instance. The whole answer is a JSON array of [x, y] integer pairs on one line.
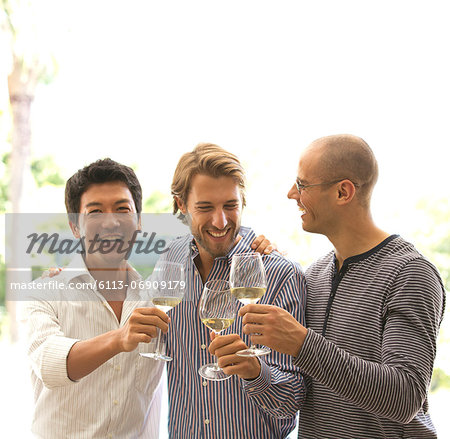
[[234, 408]]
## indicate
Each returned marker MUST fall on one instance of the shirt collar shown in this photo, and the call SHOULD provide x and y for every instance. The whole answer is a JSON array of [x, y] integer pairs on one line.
[[358, 258], [77, 270]]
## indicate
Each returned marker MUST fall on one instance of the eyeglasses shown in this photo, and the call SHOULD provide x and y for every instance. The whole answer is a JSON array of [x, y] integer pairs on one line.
[[300, 187]]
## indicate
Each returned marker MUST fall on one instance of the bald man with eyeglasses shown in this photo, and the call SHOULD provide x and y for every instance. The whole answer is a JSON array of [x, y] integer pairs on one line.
[[373, 312]]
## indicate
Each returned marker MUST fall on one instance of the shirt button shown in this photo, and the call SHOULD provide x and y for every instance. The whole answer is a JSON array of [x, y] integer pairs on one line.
[[205, 383], [109, 435], [206, 421], [115, 402], [203, 346], [117, 368]]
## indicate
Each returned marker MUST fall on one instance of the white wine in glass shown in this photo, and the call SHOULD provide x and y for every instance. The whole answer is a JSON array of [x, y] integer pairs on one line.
[[166, 303], [248, 295], [167, 286], [217, 310], [248, 285]]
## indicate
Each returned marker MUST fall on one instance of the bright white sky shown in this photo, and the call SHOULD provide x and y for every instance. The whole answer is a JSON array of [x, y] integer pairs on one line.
[[143, 82]]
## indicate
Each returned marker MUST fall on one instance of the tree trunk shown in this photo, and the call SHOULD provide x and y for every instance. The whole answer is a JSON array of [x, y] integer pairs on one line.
[[22, 85]]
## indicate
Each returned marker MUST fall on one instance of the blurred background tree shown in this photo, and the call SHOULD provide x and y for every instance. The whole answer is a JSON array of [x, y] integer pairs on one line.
[[31, 63], [433, 240]]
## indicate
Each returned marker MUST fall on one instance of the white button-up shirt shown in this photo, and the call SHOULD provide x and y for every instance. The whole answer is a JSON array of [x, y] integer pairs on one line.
[[121, 398]]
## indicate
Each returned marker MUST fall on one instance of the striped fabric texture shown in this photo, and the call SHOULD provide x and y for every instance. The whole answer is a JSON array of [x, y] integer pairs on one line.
[[235, 408], [120, 399], [368, 374]]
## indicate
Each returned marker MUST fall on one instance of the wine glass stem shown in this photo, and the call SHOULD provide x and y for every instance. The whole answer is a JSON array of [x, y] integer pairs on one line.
[[158, 343]]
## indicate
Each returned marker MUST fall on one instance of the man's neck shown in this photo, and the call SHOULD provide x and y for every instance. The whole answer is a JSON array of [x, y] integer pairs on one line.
[[356, 238], [204, 264], [111, 281], [205, 261]]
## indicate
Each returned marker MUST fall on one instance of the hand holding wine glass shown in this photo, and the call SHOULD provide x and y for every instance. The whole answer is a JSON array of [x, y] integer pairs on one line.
[[217, 310], [167, 285], [248, 285]]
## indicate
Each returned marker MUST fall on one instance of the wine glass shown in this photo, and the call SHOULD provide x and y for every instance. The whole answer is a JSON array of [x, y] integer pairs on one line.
[[167, 285], [217, 310], [248, 285]]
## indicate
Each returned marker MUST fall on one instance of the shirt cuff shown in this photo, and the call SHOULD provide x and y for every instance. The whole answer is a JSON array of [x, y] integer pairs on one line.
[[54, 361], [260, 384], [306, 354]]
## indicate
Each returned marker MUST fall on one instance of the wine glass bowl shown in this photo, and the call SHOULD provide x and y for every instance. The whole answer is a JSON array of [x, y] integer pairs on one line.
[[167, 286], [217, 310], [248, 284]]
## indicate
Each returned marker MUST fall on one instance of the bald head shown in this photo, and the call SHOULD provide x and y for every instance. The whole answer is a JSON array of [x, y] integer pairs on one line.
[[344, 156]]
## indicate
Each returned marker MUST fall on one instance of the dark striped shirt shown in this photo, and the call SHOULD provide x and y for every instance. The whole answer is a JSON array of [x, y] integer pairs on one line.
[[234, 408], [368, 376]]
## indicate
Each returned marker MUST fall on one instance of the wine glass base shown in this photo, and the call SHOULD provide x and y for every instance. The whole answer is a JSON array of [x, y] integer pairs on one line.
[[254, 352], [155, 356], [213, 372]]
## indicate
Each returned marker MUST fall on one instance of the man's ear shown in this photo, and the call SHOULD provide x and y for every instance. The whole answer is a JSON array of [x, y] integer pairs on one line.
[[75, 230], [181, 205], [346, 191]]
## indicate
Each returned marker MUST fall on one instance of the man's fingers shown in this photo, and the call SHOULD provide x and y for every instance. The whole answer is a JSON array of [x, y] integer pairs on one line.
[[224, 340], [150, 328], [254, 318], [230, 360], [229, 349], [257, 241], [54, 271], [256, 309], [251, 329], [144, 338], [51, 272], [152, 311], [142, 322]]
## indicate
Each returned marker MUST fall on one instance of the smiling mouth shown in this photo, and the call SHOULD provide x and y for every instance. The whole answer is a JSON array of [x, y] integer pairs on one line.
[[218, 234], [301, 209], [111, 238]]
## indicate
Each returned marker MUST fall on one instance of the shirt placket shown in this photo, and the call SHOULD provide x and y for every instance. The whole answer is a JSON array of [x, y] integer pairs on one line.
[[119, 379], [204, 417]]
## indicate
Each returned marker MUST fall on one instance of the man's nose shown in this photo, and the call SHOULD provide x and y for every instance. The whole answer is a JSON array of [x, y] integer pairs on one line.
[[293, 193], [219, 220], [110, 221]]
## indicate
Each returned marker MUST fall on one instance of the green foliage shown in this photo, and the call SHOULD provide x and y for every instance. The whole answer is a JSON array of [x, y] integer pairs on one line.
[[2, 282], [158, 203], [440, 380], [433, 238], [46, 172], [3, 183]]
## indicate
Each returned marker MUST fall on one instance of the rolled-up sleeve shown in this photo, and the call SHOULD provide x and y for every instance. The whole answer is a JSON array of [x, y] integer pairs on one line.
[[48, 348]]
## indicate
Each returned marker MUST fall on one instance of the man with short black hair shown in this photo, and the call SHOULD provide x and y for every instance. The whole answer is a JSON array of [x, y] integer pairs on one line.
[[84, 343]]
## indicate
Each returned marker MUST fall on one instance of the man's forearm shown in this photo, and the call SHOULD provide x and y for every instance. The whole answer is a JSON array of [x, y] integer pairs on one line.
[[87, 355], [397, 397]]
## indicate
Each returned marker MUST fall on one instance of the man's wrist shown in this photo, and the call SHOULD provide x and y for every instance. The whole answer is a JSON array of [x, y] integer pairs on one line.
[[300, 339], [254, 372], [116, 344]]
